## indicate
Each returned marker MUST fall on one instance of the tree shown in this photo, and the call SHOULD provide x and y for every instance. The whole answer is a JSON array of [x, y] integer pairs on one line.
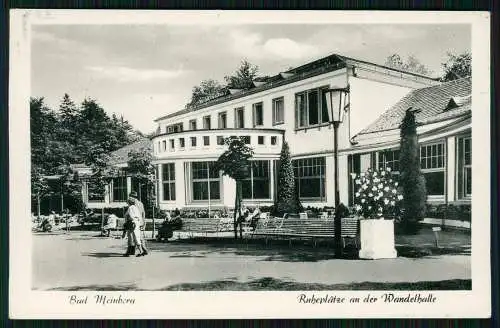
[[208, 89], [457, 66], [140, 167], [412, 64], [287, 200], [411, 178], [235, 163], [243, 77]]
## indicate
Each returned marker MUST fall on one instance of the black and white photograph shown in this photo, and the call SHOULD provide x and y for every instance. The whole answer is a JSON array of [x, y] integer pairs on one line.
[[257, 164]]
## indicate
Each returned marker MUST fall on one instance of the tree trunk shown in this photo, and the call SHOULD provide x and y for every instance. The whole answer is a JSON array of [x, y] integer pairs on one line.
[[102, 218], [38, 205], [236, 204], [240, 192]]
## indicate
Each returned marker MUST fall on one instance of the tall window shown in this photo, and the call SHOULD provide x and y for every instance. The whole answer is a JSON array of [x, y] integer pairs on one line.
[[257, 185], [179, 127], [119, 189], [239, 118], [389, 158], [310, 107], [206, 181], [192, 125], [206, 122], [222, 120], [168, 181], [310, 178], [164, 145], [258, 114], [278, 111], [432, 163], [193, 141], [464, 167]]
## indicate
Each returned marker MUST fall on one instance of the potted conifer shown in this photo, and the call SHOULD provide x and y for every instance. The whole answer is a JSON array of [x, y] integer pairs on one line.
[[377, 202]]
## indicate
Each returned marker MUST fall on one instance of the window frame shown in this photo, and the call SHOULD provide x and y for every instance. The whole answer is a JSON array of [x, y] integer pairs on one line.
[[255, 116], [320, 91], [382, 162], [208, 180], [429, 159], [219, 120], [276, 100], [207, 119], [252, 180], [461, 167], [193, 123], [236, 111], [170, 181], [322, 177], [123, 188]]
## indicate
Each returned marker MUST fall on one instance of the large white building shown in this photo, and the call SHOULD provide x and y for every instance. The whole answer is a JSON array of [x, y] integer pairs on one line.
[[288, 106]]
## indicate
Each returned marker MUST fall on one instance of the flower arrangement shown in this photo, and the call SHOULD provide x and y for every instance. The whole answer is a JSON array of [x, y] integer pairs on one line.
[[376, 194]]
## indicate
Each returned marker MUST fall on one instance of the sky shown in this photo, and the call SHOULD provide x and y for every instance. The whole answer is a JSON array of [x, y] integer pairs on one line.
[[146, 71]]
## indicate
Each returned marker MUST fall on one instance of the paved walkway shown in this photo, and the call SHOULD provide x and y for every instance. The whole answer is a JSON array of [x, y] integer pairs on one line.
[[82, 260]]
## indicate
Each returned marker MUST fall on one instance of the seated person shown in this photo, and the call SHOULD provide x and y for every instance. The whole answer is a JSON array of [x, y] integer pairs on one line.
[[111, 224], [254, 218]]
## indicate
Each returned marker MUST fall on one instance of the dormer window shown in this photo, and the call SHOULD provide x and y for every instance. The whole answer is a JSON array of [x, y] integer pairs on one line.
[[457, 101]]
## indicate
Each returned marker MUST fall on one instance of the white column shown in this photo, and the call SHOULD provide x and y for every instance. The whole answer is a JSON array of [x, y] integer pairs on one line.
[[271, 179], [107, 193], [180, 184], [343, 179], [450, 168], [159, 191], [330, 179], [228, 191], [129, 185]]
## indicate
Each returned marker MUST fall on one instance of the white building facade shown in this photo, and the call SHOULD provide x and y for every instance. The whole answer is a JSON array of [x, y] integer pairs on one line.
[[287, 107]]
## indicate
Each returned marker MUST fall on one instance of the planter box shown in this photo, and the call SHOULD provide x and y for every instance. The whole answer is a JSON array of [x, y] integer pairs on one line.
[[377, 239]]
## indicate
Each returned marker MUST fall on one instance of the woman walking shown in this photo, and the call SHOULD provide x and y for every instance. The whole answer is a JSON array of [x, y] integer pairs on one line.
[[131, 229]]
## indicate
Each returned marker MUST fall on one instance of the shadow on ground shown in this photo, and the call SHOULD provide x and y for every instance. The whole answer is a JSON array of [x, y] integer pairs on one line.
[[98, 288], [304, 251], [269, 283], [103, 255]]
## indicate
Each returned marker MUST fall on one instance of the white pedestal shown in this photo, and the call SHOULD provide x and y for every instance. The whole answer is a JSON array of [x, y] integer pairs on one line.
[[377, 239]]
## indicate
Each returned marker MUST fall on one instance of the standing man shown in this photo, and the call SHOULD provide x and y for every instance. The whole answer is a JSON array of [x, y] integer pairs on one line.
[[140, 206], [131, 229]]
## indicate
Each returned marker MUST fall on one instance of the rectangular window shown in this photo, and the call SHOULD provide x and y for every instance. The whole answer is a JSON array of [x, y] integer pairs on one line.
[[168, 181], [172, 144], [432, 163], [310, 108], [206, 141], [193, 141], [464, 167], [181, 143], [205, 181], [119, 189], [206, 122], [220, 140], [222, 120], [389, 158], [260, 140], [257, 185], [310, 178], [274, 140], [179, 127], [164, 145], [192, 125], [278, 111], [239, 118], [258, 114]]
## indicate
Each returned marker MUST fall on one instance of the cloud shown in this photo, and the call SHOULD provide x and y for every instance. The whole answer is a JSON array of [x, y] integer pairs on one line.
[[127, 74], [252, 45]]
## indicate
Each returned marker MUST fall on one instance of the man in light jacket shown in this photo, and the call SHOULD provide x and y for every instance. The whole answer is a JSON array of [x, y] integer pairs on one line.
[[140, 206]]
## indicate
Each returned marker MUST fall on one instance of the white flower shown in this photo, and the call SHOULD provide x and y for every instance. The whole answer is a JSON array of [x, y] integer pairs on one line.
[[374, 188], [380, 194], [363, 201], [382, 173], [374, 174], [357, 194], [370, 195], [386, 201], [388, 169], [393, 203], [364, 187], [386, 188], [400, 197], [358, 181], [379, 213], [380, 186], [376, 180], [396, 184], [358, 207], [353, 175], [369, 207], [394, 191]]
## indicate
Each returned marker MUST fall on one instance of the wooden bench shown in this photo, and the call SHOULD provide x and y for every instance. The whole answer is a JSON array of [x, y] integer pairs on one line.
[[206, 225], [299, 228]]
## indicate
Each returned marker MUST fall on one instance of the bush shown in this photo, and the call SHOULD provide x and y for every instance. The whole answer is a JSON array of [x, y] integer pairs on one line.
[[459, 212]]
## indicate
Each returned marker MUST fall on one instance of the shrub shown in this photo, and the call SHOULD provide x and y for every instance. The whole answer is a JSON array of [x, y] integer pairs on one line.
[[287, 200]]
